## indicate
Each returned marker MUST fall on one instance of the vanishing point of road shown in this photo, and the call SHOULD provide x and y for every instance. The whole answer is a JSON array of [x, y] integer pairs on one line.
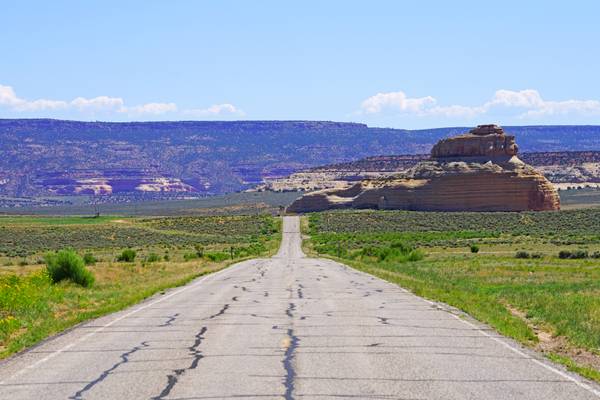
[[288, 327]]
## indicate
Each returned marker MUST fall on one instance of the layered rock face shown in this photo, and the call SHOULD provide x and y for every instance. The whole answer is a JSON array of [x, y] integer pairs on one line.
[[476, 171], [483, 141]]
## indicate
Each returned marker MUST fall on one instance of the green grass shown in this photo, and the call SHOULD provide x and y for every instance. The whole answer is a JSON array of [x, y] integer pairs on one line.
[[561, 296], [589, 373], [32, 307]]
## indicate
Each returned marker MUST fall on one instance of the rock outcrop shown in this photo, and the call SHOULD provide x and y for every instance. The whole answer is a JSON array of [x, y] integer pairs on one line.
[[483, 141], [475, 171]]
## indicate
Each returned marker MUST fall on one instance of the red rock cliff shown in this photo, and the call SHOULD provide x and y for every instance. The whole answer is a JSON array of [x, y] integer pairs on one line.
[[476, 171]]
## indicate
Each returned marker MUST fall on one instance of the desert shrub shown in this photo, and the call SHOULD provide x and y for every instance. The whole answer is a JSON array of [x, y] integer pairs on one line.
[[403, 247], [199, 250], [452, 228], [166, 257], [522, 254], [67, 264], [127, 255], [415, 255], [190, 256], [564, 254], [23, 263], [216, 256], [395, 252], [89, 259], [595, 254], [253, 249], [579, 254], [536, 255], [474, 248], [22, 240], [575, 254], [152, 257]]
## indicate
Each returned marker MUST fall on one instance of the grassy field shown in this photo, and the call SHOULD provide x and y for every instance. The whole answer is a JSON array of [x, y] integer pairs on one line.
[[169, 252], [469, 260], [28, 237]]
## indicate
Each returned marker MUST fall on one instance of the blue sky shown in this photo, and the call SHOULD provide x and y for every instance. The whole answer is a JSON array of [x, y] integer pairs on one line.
[[403, 64]]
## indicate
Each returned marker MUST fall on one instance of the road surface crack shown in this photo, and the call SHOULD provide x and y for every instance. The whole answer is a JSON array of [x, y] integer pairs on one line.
[[290, 352], [170, 320], [221, 312], [290, 310], [288, 364], [124, 359], [196, 357]]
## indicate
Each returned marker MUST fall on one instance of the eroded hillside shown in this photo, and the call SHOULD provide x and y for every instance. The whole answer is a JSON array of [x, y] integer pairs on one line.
[[52, 157]]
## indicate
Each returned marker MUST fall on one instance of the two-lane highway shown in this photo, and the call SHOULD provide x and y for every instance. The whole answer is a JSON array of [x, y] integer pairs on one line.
[[288, 327]]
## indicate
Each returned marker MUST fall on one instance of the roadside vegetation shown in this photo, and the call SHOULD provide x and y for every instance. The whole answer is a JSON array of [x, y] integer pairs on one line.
[[49, 285], [28, 236], [68, 265], [532, 276]]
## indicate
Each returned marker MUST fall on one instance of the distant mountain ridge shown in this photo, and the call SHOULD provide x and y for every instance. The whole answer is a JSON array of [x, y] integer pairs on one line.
[[45, 156]]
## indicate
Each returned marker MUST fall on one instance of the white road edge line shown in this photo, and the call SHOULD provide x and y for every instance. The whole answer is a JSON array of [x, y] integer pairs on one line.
[[512, 348], [101, 328], [538, 362]]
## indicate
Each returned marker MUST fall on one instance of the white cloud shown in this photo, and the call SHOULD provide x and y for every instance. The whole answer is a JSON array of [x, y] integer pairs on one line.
[[98, 104], [396, 101], [527, 104], [9, 98], [531, 104], [215, 110], [153, 108], [105, 105], [40, 105], [522, 99], [582, 107]]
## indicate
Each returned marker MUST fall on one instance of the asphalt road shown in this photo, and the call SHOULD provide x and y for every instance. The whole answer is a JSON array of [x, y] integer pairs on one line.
[[288, 327]]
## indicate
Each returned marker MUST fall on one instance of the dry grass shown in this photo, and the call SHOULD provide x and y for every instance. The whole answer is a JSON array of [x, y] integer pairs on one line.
[[34, 308]]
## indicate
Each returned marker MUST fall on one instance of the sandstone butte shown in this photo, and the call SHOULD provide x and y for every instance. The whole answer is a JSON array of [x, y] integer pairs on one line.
[[474, 171]]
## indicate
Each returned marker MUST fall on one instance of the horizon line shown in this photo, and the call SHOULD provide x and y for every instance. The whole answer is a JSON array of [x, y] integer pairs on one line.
[[285, 121]]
